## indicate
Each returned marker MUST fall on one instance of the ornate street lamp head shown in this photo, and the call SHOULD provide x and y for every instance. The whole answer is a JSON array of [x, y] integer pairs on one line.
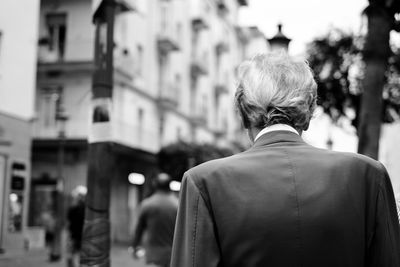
[[279, 41]]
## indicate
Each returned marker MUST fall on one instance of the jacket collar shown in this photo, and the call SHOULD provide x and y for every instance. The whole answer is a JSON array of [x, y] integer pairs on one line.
[[277, 137], [275, 127]]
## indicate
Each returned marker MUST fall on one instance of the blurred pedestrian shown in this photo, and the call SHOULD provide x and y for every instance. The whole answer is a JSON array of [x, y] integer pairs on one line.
[[284, 202], [156, 222], [48, 222], [75, 217]]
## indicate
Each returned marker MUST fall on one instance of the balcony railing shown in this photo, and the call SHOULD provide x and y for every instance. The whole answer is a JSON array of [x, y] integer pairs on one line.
[[199, 119], [221, 88], [167, 39], [136, 136], [198, 67], [222, 7], [200, 18], [243, 2], [46, 54], [168, 98], [126, 133], [221, 48], [221, 132]]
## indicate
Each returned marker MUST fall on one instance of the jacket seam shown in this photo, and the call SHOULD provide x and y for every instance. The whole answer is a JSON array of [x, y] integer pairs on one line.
[[208, 206], [297, 204], [195, 231]]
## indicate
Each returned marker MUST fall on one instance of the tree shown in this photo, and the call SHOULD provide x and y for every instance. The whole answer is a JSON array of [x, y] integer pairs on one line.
[[175, 159], [332, 58], [337, 61], [376, 53]]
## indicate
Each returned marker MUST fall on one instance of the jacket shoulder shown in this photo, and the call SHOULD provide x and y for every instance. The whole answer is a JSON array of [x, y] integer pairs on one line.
[[360, 159], [372, 168], [207, 170]]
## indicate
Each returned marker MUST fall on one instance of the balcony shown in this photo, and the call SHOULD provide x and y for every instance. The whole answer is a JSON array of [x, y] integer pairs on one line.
[[199, 120], [168, 98], [60, 67], [221, 89], [221, 132], [222, 7], [52, 60], [198, 67], [135, 135], [46, 54], [199, 23], [199, 15], [167, 39], [221, 48], [222, 82]]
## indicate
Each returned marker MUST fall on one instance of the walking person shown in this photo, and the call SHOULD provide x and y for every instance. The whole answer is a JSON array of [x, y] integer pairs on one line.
[[48, 221], [284, 202], [76, 217], [156, 222]]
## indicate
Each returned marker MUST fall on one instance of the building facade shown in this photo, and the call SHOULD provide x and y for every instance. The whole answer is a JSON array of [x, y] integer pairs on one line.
[[174, 79], [18, 42]]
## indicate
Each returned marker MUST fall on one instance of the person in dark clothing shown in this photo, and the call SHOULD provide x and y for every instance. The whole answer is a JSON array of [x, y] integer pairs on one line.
[[157, 219], [76, 216], [283, 202]]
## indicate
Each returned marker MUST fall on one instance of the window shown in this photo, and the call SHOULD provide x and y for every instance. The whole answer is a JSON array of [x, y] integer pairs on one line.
[[57, 30], [164, 17], [204, 107], [177, 87], [139, 52], [16, 199], [140, 124], [51, 103], [179, 32]]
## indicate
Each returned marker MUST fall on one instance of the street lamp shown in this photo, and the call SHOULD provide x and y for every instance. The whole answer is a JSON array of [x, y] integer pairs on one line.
[[101, 163], [279, 41]]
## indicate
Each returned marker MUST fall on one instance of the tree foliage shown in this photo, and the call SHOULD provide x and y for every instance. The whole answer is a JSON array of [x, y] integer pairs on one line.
[[175, 159], [336, 60]]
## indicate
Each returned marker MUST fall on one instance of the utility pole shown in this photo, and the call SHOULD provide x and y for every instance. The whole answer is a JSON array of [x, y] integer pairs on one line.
[[101, 161], [61, 118]]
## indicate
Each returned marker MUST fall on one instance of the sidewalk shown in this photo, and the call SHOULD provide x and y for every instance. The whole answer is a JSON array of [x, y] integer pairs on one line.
[[120, 257]]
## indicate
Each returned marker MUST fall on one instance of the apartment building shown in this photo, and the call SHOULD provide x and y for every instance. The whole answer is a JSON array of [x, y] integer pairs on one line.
[[174, 78], [17, 88]]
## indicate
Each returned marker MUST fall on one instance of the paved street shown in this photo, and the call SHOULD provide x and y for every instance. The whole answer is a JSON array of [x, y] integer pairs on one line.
[[38, 258]]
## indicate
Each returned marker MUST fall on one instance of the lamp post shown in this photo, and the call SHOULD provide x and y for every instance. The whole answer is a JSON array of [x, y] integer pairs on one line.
[[279, 41], [96, 232], [61, 119]]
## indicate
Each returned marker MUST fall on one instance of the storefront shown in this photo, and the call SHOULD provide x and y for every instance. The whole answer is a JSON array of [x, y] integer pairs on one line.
[[124, 195], [14, 182]]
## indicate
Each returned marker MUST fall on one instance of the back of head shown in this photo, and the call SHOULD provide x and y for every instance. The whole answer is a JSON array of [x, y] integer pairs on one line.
[[275, 88], [162, 181]]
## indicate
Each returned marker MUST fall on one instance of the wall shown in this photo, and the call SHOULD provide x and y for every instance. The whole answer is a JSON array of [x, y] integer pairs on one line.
[[18, 43], [80, 29], [76, 101], [389, 153]]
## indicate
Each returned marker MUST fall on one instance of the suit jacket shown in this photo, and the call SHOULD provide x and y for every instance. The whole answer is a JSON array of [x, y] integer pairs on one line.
[[156, 225], [286, 203]]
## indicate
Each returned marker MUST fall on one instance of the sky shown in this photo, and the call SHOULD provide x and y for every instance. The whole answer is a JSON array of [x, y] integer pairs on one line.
[[303, 20]]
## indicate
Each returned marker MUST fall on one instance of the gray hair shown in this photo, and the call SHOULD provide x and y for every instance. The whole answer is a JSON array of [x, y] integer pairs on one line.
[[275, 88]]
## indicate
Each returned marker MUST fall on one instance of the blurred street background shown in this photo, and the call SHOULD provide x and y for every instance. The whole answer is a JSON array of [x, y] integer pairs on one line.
[[158, 91]]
